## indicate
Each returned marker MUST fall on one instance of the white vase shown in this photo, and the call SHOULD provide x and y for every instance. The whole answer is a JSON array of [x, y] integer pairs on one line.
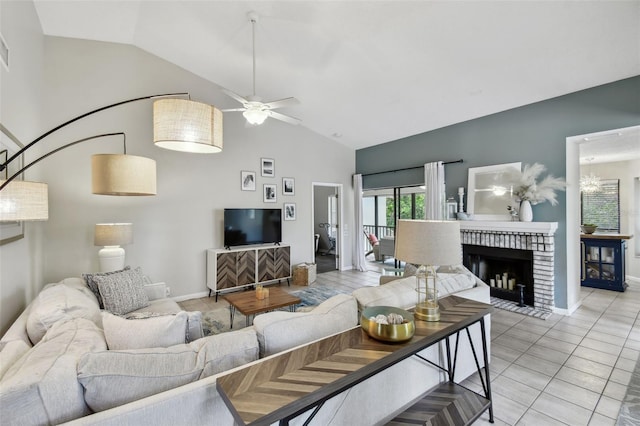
[[526, 214]]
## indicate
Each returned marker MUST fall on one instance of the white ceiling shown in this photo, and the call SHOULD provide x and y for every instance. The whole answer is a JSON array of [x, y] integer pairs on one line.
[[611, 146], [368, 72]]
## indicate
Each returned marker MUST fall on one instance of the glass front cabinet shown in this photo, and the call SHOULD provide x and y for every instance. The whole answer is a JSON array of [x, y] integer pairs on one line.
[[603, 263]]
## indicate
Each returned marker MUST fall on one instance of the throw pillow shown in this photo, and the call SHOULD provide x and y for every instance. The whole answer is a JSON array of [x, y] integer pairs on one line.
[[148, 332], [373, 239], [139, 373], [93, 285], [122, 292]]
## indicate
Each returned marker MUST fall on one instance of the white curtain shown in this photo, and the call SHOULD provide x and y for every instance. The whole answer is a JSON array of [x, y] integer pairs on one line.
[[359, 250], [434, 197]]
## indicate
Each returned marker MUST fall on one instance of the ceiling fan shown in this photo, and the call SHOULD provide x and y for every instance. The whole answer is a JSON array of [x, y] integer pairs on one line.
[[256, 111]]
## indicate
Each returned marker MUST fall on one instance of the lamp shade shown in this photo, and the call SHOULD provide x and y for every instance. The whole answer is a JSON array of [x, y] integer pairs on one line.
[[120, 174], [428, 242], [23, 200], [113, 234], [185, 125]]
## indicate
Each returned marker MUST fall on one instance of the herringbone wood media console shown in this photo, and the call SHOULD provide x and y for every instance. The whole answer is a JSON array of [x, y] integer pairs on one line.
[[231, 269]]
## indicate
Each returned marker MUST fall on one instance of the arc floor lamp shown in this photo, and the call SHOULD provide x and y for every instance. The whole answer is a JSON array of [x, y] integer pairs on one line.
[[178, 124]]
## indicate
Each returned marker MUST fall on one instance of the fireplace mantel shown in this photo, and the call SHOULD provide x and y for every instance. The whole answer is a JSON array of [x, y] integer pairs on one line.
[[547, 228]]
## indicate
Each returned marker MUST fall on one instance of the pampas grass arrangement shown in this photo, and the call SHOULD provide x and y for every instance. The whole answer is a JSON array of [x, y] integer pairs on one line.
[[526, 186]]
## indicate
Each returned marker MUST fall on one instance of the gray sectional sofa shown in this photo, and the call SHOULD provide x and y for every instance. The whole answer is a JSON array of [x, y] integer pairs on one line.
[[70, 375]]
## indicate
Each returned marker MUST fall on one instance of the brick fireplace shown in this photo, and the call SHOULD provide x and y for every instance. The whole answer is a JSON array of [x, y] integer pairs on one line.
[[517, 240]]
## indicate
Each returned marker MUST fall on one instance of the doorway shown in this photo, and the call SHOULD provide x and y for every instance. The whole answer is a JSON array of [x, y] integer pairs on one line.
[[326, 226], [612, 142]]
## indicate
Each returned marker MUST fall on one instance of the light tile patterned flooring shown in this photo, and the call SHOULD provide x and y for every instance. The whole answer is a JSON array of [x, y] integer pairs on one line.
[[566, 370]]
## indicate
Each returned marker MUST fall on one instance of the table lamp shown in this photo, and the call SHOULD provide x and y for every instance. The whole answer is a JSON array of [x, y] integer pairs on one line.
[[428, 243], [112, 236]]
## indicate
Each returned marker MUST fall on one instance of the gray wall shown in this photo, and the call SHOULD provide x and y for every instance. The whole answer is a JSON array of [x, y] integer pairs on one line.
[[54, 79], [532, 133]]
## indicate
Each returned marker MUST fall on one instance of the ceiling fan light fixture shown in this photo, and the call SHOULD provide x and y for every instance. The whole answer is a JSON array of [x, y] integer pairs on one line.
[[255, 116]]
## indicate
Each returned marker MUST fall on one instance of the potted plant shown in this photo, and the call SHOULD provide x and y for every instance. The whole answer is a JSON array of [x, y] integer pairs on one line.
[[528, 189]]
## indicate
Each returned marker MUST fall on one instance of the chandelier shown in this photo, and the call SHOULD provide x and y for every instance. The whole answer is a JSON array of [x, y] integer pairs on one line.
[[590, 183]]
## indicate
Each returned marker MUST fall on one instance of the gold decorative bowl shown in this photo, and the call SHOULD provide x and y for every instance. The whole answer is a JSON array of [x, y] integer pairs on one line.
[[388, 332], [588, 229]]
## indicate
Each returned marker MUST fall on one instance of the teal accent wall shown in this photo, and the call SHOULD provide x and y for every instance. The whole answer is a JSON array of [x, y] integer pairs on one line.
[[528, 134]]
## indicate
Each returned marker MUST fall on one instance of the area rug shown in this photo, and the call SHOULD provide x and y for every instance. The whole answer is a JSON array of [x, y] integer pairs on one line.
[[508, 305], [313, 296], [630, 409], [217, 321]]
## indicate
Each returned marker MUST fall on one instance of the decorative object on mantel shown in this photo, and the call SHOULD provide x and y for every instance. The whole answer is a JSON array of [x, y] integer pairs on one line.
[[489, 193], [528, 190], [588, 228]]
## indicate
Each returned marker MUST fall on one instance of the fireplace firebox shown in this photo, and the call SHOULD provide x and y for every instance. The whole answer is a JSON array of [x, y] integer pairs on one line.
[[503, 269]]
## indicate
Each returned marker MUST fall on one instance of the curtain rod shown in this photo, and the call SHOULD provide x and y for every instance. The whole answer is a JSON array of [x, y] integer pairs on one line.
[[409, 168]]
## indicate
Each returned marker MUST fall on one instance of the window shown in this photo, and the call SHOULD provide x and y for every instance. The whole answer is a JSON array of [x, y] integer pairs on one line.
[[602, 208]]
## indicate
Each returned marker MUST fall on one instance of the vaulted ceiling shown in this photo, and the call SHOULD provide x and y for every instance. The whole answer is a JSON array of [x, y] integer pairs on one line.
[[368, 72]]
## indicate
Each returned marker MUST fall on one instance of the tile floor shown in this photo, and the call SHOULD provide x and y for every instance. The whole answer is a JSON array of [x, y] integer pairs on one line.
[[560, 371], [564, 370]]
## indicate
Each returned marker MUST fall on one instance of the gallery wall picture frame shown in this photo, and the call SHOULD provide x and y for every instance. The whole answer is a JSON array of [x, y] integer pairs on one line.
[[289, 211], [288, 186], [247, 180], [9, 145], [267, 167], [269, 193]]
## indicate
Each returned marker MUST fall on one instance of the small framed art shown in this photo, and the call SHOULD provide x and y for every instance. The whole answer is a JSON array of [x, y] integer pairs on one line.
[[289, 211], [267, 167], [247, 180], [269, 193], [288, 186]]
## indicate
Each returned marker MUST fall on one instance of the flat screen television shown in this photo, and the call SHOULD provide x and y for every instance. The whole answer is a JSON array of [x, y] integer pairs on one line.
[[252, 226]]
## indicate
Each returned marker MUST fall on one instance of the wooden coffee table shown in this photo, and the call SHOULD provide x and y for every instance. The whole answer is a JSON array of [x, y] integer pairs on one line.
[[248, 305]]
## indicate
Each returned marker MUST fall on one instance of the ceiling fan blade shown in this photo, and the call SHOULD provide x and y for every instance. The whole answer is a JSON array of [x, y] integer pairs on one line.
[[282, 103], [233, 109], [285, 118], [235, 96]]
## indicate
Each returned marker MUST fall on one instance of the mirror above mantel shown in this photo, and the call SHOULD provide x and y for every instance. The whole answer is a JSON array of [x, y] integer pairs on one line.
[[489, 192]]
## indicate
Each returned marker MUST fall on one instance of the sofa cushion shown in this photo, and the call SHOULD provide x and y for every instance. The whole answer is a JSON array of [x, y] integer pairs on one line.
[[139, 373], [58, 302], [401, 293], [122, 292], [42, 386], [93, 285], [11, 352], [278, 331], [144, 331]]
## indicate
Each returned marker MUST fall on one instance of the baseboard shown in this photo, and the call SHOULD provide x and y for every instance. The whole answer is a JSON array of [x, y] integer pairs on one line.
[[567, 312], [191, 296], [634, 280]]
